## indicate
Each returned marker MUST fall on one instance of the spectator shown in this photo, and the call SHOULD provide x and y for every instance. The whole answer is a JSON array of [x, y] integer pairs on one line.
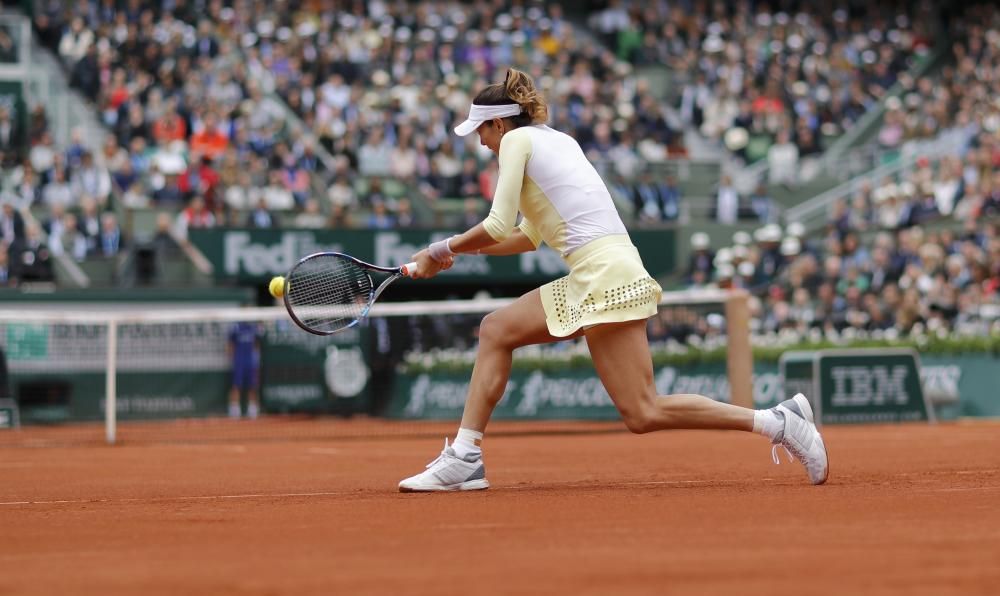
[[89, 222], [727, 202], [341, 194], [11, 141], [380, 218], [783, 160], [33, 258], [404, 214], [276, 196], [649, 202], [70, 240], [700, 265], [310, 217], [11, 226], [7, 277], [110, 243], [472, 212], [295, 179], [164, 242], [763, 205], [375, 155], [170, 194], [75, 43], [196, 215], [260, 217], [91, 180], [58, 191], [209, 141]]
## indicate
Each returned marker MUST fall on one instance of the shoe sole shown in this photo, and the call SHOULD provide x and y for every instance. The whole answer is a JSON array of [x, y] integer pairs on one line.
[[806, 408], [481, 484]]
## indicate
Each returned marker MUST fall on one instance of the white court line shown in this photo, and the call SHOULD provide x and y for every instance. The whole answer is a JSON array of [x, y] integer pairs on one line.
[[958, 489], [592, 485], [184, 498]]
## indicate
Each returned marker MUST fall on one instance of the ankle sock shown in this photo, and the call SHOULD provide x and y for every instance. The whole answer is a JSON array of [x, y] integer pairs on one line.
[[467, 442], [768, 423]]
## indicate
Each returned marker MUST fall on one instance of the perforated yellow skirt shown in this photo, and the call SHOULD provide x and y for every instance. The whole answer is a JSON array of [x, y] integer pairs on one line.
[[607, 283]]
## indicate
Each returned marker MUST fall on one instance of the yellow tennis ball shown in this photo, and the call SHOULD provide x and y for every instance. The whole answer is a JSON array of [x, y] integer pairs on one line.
[[277, 286]]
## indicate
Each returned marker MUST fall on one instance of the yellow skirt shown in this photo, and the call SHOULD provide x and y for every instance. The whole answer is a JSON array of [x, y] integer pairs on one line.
[[607, 283]]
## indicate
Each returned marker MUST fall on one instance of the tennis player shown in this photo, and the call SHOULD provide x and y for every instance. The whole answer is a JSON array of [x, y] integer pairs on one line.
[[606, 297]]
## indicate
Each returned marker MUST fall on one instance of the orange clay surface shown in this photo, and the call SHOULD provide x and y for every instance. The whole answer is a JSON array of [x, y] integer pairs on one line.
[[908, 510]]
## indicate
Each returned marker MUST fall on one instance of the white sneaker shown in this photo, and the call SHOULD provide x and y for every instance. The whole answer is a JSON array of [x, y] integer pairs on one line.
[[234, 411], [801, 438], [449, 472]]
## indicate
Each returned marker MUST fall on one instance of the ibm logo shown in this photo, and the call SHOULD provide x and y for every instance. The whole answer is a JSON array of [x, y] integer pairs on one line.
[[869, 385]]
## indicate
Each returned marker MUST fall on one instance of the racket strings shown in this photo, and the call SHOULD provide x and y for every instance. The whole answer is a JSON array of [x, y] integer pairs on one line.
[[328, 293]]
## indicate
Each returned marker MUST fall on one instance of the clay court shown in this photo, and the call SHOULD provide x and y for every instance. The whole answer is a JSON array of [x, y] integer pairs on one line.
[[908, 509]]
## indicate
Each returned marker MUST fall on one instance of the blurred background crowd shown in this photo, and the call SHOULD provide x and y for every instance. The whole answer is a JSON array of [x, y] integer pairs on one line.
[[338, 114]]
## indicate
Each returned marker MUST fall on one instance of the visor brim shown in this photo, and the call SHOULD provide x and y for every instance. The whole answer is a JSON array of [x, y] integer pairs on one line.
[[468, 127]]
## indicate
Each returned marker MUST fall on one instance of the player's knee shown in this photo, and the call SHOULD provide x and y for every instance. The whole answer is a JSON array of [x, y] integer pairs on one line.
[[640, 418], [491, 331]]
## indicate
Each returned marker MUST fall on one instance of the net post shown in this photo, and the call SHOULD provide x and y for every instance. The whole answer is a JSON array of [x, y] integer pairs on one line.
[[110, 386], [739, 358]]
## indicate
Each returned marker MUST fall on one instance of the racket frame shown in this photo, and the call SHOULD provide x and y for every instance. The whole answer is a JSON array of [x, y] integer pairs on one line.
[[373, 294]]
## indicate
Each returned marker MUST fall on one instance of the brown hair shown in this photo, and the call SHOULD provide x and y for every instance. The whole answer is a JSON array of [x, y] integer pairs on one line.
[[520, 89]]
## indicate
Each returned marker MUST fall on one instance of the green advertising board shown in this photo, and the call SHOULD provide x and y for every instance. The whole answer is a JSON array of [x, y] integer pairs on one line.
[[864, 385], [256, 255], [575, 393], [180, 370], [9, 416], [871, 386], [305, 373]]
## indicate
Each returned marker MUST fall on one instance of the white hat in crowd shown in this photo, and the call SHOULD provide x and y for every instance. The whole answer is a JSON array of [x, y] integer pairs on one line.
[[791, 246], [769, 233], [746, 269], [742, 238], [796, 229], [724, 271], [699, 241], [723, 257]]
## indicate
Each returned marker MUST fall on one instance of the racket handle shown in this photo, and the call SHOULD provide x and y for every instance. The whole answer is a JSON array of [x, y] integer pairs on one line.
[[408, 269]]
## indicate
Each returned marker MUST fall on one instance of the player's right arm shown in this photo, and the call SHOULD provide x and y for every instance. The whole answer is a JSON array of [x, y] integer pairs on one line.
[[498, 234], [514, 244]]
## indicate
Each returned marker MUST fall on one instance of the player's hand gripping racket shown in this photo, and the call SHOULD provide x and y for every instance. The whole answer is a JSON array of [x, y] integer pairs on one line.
[[328, 292]]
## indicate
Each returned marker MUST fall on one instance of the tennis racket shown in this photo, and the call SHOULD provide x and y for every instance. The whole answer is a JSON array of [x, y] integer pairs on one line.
[[328, 292]]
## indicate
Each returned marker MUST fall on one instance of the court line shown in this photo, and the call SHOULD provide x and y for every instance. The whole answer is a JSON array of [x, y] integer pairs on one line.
[[589, 484], [182, 498]]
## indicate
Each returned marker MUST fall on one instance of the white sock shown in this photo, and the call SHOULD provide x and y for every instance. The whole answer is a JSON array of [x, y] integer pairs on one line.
[[768, 423], [467, 441]]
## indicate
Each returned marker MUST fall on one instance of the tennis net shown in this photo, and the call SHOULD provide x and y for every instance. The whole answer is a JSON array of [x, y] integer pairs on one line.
[[197, 374]]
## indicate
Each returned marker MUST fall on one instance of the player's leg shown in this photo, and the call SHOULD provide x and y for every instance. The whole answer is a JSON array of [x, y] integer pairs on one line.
[[460, 466], [621, 356], [521, 323]]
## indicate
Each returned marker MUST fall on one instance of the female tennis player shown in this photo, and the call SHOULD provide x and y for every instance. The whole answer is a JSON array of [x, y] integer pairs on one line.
[[606, 297]]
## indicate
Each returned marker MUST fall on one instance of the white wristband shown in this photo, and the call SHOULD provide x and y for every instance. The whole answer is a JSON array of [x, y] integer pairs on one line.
[[440, 251]]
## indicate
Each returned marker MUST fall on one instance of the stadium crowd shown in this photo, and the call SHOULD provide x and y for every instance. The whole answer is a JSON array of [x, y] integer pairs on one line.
[[780, 73], [962, 95], [187, 92], [884, 282]]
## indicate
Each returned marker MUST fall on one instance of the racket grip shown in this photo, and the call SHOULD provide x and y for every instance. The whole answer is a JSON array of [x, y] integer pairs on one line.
[[408, 269]]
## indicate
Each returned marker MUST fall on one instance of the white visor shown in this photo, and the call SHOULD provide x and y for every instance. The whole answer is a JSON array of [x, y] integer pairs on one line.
[[479, 114]]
